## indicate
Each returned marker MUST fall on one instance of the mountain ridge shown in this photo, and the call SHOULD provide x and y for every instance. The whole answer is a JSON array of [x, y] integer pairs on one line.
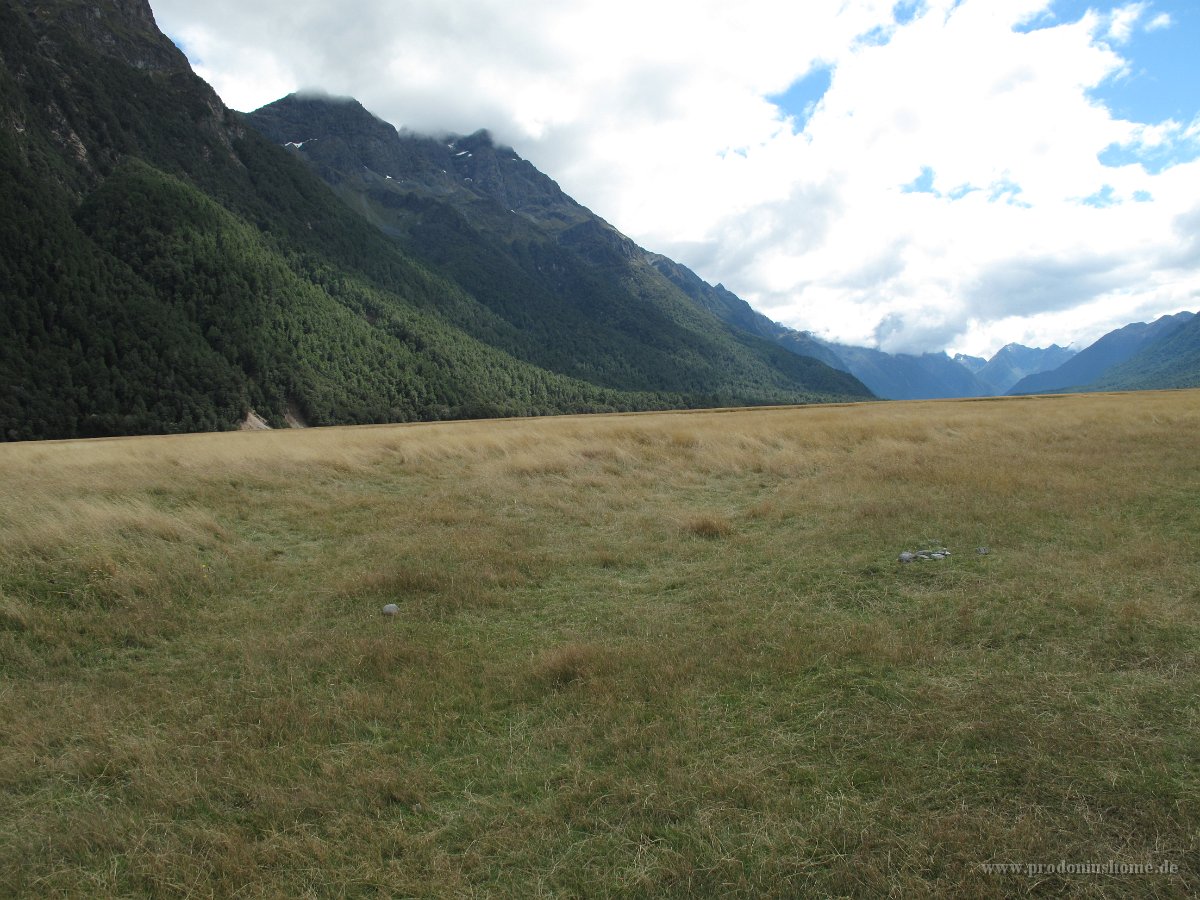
[[1170, 361], [903, 376], [1093, 362], [481, 215], [1012, 362]]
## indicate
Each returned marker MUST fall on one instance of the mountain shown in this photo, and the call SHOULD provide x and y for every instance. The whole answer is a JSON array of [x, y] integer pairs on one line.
[[971, 363], [1170, 361], [733, 310], [1092, 364], [903, 376], [1012, 362], [893, 376], [163, 267], [568, 291]]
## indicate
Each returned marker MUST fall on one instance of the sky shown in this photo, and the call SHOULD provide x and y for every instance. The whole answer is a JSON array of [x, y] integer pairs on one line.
[[916, 176]]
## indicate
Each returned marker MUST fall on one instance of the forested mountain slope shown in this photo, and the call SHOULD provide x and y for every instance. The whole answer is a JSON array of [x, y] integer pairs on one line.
[[1171, 361], [1092, 364], [164, 268], [574, 294]]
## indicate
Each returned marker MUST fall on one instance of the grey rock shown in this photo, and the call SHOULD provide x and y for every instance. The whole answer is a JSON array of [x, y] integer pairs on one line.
[[391, 609], [907, 557], [982, 551]]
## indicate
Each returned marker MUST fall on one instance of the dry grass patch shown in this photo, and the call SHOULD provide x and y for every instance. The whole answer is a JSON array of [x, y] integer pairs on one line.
[[14, 615], [655, 655], [569, 663], [708, 526]]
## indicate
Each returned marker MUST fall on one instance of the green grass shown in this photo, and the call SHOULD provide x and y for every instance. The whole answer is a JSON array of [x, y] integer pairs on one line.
[[651, 655]]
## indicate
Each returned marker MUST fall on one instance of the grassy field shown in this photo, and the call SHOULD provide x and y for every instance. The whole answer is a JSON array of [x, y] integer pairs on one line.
[[652, 655]]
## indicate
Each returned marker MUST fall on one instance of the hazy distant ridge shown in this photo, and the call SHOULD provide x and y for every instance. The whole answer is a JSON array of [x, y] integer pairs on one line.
[[1095, 361]]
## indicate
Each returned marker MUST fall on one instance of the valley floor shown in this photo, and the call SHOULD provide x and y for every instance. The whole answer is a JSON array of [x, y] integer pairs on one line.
[[642, 655]]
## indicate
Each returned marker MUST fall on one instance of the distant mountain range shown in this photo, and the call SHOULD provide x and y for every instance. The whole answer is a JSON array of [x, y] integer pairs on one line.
[[903, 376], [1014, 361], [1163, 353]]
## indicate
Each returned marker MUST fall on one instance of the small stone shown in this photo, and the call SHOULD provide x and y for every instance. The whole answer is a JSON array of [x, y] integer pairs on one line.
[[937, 555], [391, 609], [907, 557], [982, 551]]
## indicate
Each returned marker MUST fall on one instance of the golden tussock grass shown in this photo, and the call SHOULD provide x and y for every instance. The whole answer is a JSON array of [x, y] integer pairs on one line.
[[567, 663], [709, 526], [663, 654]]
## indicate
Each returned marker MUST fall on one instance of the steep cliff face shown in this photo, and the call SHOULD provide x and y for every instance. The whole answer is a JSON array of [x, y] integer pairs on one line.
[[498, 172], [122, 29], [85, 85]]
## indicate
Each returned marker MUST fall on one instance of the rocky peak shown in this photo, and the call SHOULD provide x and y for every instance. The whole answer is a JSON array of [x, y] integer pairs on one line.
[[343, 140], [124, 29], [110, 86]]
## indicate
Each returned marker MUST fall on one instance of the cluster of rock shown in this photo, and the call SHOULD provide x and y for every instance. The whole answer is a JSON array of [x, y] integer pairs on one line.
[[935, 552]]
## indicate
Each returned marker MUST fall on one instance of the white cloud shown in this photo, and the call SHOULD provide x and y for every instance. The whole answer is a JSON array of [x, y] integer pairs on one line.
[[1122, 21], [1159, 22], [655, 116]]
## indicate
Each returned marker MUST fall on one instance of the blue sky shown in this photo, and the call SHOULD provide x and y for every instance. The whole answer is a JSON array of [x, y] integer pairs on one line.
[[800, 100], [1161, 81], [1163, 77], [916, 175]]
